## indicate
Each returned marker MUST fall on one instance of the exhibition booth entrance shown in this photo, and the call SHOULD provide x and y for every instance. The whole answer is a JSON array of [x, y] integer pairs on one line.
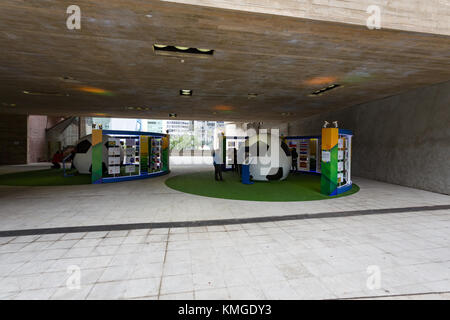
[[126, 155], [308, 168], [105, 156]]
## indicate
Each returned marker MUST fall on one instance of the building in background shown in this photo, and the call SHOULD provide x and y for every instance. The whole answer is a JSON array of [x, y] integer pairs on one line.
[[36, 138], [155, 126], [185, 134]]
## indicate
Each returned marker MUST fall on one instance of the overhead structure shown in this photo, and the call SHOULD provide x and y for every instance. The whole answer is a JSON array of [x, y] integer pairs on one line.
[[160, 60]]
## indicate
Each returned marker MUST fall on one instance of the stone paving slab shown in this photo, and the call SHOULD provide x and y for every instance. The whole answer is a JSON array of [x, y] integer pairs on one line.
[[150, 200], [301, 259]]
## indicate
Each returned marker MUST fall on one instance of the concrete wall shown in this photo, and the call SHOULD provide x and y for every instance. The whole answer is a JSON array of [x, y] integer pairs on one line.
[[13, 139], [24, 139], [403, 139], [430, 16], [282, 126]]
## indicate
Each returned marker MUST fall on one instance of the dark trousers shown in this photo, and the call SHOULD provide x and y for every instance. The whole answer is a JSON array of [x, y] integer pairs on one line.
[[56, 165], [294, 165], [218, 171], [239, 169]]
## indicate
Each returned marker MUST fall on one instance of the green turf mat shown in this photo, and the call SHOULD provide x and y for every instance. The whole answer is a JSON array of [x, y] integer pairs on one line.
[[48, 177], [297, 187]]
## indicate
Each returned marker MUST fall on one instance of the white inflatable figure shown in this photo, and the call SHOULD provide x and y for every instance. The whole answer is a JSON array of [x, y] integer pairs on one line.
[[83, 155], [268, 164]]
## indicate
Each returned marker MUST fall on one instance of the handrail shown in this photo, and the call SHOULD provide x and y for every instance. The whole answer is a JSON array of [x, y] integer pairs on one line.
[[64, 166]]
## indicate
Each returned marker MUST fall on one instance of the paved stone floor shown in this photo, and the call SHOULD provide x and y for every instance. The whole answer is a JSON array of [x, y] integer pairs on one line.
[[151, 200], [316, 258], [301, 259]]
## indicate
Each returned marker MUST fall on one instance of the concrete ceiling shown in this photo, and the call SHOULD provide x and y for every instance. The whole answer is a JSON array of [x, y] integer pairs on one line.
[[281, 59]]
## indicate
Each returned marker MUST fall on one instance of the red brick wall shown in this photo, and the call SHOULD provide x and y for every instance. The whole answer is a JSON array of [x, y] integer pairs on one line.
[[37, 144]]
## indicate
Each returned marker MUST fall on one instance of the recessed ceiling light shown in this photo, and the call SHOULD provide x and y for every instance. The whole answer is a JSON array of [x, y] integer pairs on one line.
[[167, 49], [138, 108], [69, 79], [36, 93], [186, 92], [252, 95], [172, 115], [323, 90]]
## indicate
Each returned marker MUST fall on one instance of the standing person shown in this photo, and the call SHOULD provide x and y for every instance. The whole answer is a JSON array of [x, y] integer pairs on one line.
[[294, 155], [72, 158], [217, 160], [240, 156], [235, 162]]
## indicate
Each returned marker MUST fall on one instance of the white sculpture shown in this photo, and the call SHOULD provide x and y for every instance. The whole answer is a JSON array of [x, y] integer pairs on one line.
[[83, 155], [264, 167]]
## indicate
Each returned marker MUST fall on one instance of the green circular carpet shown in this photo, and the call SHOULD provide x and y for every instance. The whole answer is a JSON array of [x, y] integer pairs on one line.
[[49, 177], [297, 187]]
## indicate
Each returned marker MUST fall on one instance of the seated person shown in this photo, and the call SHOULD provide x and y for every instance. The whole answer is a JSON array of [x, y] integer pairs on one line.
[[71, 152], [57, 159]]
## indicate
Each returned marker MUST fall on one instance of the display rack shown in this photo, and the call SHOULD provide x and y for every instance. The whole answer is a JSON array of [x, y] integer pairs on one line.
[[307, 148], [303, 155], [131, 159], [155, 155], [336, 161], [128, 155], [344, 158], [114, 160]]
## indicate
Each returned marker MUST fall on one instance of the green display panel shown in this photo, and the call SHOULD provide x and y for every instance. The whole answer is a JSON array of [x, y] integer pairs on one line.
[[328, 181], [329, 168], [143, 147], [165, 153], [97, 156]]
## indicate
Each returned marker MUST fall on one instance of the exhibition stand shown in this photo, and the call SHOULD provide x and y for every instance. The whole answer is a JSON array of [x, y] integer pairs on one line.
[[307, 148], [336, 161], [328, 155], [128, 155]]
